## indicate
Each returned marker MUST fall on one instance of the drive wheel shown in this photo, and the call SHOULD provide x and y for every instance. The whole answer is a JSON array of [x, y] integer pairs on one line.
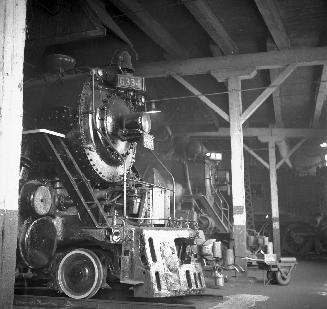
[[80, 274], [281, 280]]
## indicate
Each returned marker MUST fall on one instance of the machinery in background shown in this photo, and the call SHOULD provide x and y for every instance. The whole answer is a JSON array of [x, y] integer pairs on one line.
[[302, 238], [87, 220], [208, 190]]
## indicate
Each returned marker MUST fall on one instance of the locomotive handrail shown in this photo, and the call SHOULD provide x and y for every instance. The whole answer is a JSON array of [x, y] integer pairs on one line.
[[173, 179], [44, 131]]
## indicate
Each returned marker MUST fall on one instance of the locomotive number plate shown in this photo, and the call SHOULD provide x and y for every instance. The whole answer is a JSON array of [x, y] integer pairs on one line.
[[129, 81], [148, 141]]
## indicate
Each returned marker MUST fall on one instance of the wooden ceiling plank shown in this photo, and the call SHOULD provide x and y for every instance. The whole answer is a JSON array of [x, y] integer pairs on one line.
[[257, 132], [255, 155], [268, 91], [203, 98], [274, 23], [209, 21], [230, 65], [291, 152], [143, 19], [321, 98]]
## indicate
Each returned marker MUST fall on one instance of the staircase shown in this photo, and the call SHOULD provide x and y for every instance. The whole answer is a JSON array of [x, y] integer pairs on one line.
[[216, 206], [90, 210]]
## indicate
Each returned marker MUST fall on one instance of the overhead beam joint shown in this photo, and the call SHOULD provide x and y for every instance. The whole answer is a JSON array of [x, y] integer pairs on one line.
[[268, 91], [203, 98]]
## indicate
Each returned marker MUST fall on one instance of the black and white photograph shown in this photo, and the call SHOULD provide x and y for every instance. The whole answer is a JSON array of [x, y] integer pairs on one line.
[[163, 154]]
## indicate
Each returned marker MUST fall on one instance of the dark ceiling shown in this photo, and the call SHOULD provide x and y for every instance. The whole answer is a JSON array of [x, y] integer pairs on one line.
[[173, 29]]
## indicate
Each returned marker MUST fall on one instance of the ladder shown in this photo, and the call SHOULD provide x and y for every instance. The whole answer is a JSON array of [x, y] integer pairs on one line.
[[248, 196], [78, 186], [217, 209]]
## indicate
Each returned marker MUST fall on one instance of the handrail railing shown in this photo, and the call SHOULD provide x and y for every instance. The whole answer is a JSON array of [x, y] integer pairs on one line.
[[225, 211]]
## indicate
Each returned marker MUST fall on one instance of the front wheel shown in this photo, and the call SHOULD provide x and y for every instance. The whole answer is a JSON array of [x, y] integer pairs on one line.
[[80, 274]]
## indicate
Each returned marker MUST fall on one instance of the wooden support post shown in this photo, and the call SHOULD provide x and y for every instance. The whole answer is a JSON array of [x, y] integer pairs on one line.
[[237, 164], [274, 196], [321, 97], [12, 43]]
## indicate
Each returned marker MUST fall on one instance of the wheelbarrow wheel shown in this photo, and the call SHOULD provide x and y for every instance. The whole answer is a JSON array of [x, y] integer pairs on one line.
[[281, 280]]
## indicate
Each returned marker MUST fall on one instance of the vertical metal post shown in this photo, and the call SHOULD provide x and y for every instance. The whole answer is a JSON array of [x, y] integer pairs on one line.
[[274, 196], [237, 166], [125, 190]]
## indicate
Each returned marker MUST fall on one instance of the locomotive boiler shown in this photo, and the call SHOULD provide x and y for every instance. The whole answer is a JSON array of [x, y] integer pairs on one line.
[[87, 220]]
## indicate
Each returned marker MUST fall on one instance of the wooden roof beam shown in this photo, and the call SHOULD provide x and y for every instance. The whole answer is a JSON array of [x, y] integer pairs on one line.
[[143, 19], [264, 132], [321, 97], [255, 155], [231, 65], [203, 98], [268, 91], [209, 21], [292, 151], [98, 9], [271, 16]]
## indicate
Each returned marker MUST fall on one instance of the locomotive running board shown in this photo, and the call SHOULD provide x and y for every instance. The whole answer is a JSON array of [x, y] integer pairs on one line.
[[75, 181]]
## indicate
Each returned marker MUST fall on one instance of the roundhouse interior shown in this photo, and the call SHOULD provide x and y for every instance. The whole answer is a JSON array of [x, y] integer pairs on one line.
[[236, 95]]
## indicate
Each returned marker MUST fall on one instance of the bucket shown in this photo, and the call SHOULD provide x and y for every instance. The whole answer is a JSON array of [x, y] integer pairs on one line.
[[219, 279]]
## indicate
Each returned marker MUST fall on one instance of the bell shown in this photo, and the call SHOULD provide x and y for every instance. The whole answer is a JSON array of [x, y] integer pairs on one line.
[[125, 62]]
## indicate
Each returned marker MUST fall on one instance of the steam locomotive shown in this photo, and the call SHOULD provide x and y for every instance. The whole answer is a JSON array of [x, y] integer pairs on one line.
[[86, 218]]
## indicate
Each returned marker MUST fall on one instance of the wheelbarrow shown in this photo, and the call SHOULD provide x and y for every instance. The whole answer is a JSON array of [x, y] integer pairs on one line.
[[279, 270]]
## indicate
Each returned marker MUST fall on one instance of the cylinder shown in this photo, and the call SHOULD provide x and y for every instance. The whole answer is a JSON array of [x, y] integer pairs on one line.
[[260, 240], [270, 248], [265, 241], [229, 257], [250, 240], [288, 260], [216, 249]]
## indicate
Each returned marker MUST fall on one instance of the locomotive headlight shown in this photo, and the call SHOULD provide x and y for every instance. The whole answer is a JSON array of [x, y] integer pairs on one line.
[[146, 123], [100, 72], [137, 121], [135, 126]]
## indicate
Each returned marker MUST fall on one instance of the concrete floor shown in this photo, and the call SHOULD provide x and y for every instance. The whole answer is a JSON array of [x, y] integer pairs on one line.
[[308, 289]]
